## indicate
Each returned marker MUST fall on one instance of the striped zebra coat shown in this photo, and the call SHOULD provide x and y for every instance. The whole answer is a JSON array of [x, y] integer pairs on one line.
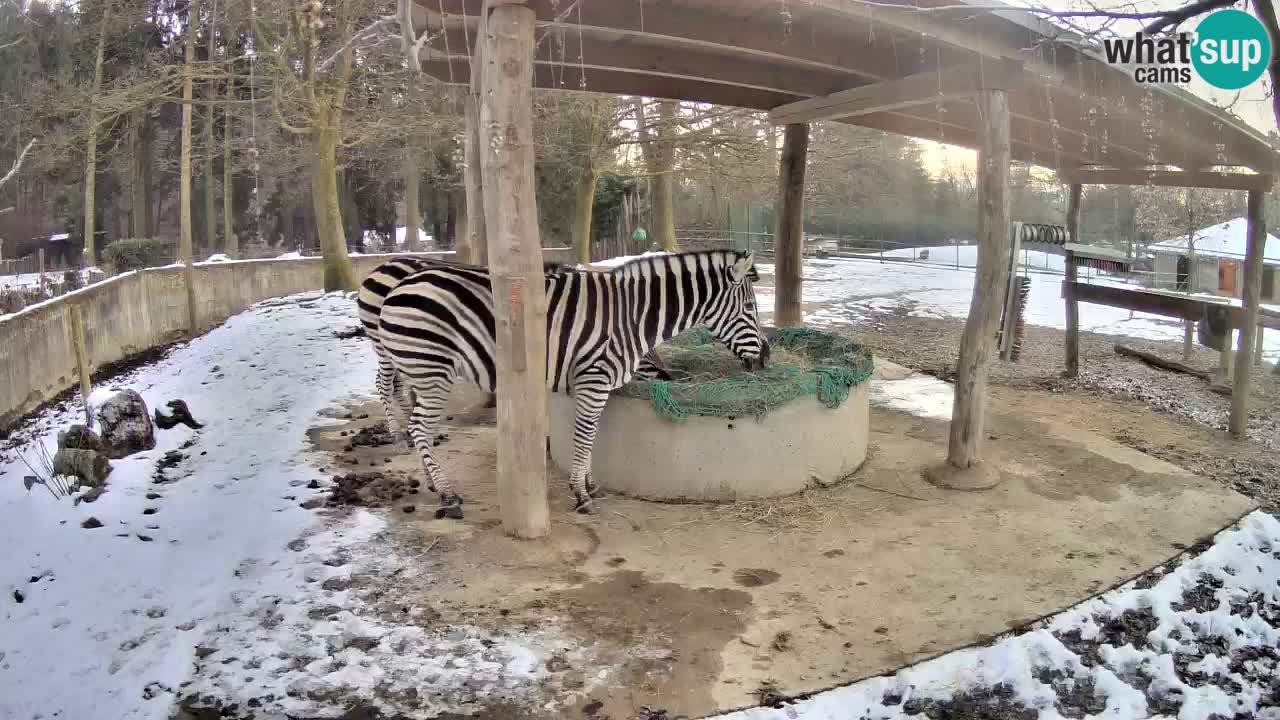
[[436, 327], [373, 292]]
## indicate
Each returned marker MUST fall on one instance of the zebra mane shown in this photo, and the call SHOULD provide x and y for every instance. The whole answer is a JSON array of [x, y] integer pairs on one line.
[[730, 255]]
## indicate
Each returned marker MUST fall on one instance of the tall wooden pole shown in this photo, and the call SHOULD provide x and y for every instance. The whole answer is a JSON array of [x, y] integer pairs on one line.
[[991, 276], [515, 256], [788, 246], [184, 173], [1239, 420], [473, 247], [1069, 293]]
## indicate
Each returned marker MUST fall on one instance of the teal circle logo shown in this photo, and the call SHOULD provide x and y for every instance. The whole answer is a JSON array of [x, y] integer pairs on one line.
[[1232, 49]]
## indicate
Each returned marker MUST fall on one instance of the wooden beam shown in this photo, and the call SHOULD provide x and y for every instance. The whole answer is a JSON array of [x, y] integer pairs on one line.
[[976, 343], [1238, 422], [788, 250], [1167, 178], [1072, 350], [1166, 304], [515, 254], [931, 87]]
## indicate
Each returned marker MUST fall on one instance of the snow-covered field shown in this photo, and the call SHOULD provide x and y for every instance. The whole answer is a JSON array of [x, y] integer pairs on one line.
[[850, 291], [212, 562]]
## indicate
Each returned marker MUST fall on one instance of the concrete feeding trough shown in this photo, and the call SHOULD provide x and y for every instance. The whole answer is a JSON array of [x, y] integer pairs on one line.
[[716, 436]]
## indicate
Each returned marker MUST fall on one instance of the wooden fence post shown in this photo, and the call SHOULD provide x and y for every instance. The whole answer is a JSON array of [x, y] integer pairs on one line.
[[788, 252], [1239, 419], [76, 315], [40, 265], [474, 246], [515, 257], [1069, 293], [990, 277]]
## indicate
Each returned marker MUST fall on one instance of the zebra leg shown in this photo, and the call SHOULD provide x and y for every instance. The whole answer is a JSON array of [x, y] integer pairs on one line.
[[430, 395], [590, 399], [395, 408]]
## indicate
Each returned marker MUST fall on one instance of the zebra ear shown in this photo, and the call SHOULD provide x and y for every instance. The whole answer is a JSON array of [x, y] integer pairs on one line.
[[743, 266]]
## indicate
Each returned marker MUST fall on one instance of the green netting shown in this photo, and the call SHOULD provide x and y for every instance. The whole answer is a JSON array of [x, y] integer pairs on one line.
[[709, 380]]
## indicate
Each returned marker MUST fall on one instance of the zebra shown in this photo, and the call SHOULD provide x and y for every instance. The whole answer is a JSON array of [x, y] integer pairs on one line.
[[373, 292], [437, 327]]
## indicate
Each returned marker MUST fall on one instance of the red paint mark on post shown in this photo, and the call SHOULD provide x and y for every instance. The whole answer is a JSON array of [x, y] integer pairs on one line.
[[515, 296]]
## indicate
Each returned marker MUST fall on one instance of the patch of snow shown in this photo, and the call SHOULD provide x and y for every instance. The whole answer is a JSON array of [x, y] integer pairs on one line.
[[218, 258], [294, 255], [848, 291], [1228, 239], [921, 395]]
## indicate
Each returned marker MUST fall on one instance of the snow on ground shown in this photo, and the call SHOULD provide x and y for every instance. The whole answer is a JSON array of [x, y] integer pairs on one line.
[[623, 259], [205, 562], [850, 291], [1200, 643], [424, 239], [52, 277]]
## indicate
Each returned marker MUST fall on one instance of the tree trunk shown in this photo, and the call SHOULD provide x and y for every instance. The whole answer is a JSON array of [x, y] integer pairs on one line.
[[338, 274], [184, 167], [412, 215], [664, 217], [1072, 350], [230, 242], [210, 94], [140, 211], [475, 248], [582, 213], [789, 236], [1238, 421], [990, 279], [520, 302], [91, 146]]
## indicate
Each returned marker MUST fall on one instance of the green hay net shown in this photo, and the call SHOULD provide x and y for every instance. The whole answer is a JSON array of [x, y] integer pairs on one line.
[[710, 381]]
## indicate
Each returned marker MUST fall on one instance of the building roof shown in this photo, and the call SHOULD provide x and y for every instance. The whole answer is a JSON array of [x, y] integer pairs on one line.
[[1228, 239], [1069, 108]]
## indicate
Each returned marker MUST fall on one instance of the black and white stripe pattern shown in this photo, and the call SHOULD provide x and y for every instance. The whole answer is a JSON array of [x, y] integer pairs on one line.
[[436, 327], [373, 292]]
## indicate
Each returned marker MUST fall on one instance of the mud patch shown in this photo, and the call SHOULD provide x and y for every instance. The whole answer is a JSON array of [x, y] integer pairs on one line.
[[755, 577], [667, 638], [371, 489]]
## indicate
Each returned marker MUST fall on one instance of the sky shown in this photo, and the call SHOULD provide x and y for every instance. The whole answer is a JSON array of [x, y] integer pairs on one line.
[[1251, 104]]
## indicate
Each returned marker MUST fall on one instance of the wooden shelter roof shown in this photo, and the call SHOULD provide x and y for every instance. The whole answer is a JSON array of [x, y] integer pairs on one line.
[[903, 71]]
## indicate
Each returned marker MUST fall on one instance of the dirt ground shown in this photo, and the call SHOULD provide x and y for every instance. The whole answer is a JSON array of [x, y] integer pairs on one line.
[[1114, 396], [695, 609]]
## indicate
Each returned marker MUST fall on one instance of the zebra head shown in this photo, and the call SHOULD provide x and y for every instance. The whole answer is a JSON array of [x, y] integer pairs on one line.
[[733, 319]]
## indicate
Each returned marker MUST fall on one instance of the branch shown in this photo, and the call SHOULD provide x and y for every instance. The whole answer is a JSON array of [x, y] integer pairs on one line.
[[1175, 18], [371, 31], [17, 164], [11, 43]]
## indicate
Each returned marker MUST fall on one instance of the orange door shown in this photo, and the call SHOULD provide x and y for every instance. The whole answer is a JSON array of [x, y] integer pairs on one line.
[[1227, 277]]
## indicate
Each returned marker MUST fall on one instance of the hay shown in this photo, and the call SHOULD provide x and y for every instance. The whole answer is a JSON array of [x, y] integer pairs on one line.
[[708, 380]]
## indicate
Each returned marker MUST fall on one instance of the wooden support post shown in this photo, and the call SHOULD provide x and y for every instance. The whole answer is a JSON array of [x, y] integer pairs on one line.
[[1239, 420], [40, 266], [1223, 375], [515, 253], [789, 233], [1010, 324], [1069, 294], [988, 288], [82, 360], [472, 246], [1258, 346]]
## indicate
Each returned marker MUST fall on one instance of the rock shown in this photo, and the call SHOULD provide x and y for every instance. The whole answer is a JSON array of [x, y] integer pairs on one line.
[[181, 416], [126, 426], [90, 466], [90, 523], [79, 437]]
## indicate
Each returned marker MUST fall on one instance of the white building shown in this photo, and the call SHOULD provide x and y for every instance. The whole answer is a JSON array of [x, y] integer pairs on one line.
[[1219, 261]]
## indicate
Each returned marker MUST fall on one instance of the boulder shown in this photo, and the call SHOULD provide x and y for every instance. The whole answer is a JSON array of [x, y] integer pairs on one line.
[[126, 425], [79, 437], [90, 466]]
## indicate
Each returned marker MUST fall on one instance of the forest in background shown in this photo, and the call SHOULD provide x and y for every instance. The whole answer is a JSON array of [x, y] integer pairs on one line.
[[308, 131]]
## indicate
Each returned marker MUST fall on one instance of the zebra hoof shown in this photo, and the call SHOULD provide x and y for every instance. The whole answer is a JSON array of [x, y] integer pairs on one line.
[[585, 506], [431, 487], [450, 507]]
